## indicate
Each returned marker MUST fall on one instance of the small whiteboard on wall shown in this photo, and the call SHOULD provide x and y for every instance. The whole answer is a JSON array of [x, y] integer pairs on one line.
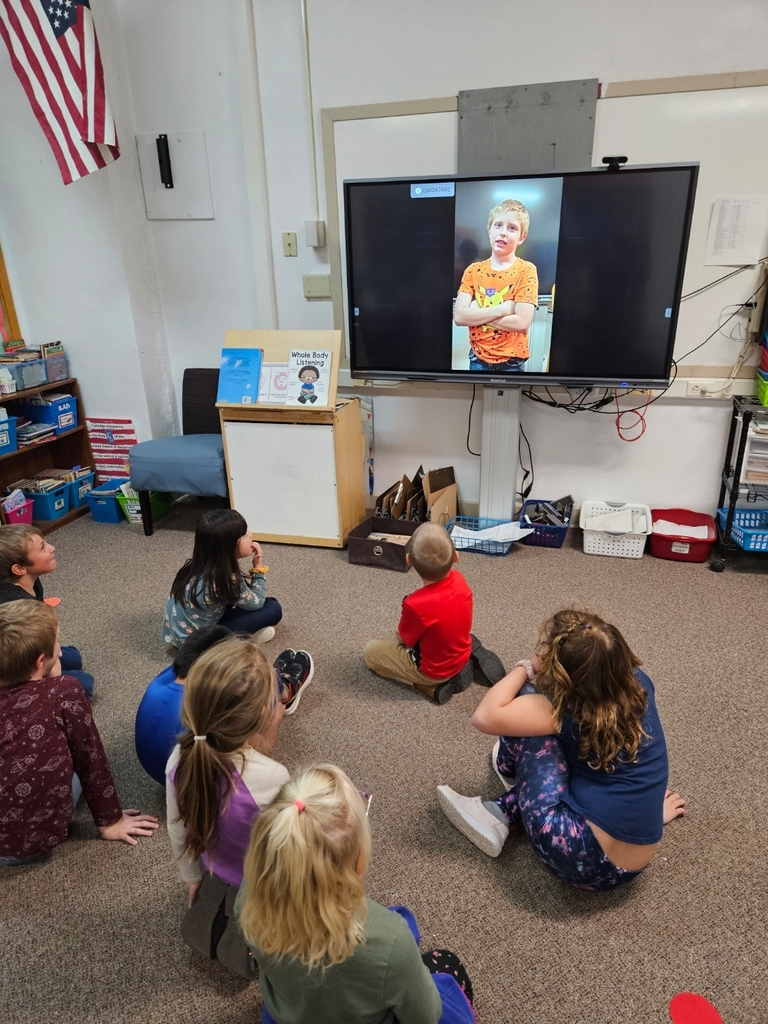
[[284, 477]]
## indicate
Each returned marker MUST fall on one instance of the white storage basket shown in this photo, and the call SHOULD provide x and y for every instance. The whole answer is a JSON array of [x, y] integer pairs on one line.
[[623, 545]]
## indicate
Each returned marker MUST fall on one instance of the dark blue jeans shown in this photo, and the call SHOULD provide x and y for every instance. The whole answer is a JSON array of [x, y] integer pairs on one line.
[[72, 665], [509, 366], [240, 620]]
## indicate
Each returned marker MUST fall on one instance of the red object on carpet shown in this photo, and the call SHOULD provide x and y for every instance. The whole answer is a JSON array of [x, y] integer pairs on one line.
[[689, 1008]]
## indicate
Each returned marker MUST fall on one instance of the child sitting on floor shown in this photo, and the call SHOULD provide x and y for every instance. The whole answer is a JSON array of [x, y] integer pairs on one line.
[[158, 719], [50, 749], [435, 652], [25, 556], [219, 779], [210, 588], [581, 754], [325, 953]]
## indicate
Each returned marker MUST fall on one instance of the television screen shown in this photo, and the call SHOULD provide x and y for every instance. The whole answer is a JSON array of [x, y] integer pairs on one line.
[[566, 278]]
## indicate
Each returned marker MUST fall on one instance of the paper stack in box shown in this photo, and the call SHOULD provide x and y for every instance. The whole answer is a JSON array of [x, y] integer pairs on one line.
[[622, 521]]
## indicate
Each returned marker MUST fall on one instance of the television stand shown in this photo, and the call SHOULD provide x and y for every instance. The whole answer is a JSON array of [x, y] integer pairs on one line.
[[499, 458]]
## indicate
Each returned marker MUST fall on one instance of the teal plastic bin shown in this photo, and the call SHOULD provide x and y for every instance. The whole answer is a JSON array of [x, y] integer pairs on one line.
[[102, 501], [79, 489]]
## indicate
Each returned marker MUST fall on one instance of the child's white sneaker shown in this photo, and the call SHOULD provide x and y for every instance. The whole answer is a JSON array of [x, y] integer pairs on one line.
[[263, 636], [506, 783], [473, 820]]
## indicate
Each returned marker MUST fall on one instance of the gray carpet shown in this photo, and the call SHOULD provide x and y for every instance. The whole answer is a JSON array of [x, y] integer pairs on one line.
[[91, 934]]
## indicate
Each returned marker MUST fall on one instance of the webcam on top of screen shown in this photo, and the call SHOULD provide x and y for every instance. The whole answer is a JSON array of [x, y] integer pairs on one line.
[[614, 162]]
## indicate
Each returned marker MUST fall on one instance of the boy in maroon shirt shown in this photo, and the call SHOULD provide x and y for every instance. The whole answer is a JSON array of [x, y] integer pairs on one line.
[[49, 745], [435, 652]]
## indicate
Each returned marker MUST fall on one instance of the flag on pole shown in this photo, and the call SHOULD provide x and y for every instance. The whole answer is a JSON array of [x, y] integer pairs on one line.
[[54, 52]]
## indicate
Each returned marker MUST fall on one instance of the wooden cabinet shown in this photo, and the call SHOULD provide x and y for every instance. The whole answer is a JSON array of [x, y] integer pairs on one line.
[[297, 475], [58, 452]]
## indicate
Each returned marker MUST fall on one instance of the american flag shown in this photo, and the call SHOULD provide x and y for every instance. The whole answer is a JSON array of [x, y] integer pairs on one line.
[[55, 54]]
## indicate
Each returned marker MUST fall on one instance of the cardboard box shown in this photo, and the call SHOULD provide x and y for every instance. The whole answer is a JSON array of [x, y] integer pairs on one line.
[[441, 495], [363, 549]]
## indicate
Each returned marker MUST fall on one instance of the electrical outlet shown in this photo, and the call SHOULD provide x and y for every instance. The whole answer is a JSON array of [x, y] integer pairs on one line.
[[699, 388]]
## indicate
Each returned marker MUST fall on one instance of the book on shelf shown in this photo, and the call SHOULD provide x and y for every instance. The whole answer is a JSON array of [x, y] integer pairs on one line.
[[31, 433], [239, 376], [49, 398], [41, 485], [51, 348], [14, 500]]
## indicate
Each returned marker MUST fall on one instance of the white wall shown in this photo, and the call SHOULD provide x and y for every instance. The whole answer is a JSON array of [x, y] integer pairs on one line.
[[64, 262], [181, 69], [363, 53], [63, 246]]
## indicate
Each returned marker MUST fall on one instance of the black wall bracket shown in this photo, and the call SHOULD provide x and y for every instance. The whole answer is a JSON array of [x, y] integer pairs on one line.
[[164, 160]]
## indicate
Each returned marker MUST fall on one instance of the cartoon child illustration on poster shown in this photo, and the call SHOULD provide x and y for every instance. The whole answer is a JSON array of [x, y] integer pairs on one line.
[[309, 376]]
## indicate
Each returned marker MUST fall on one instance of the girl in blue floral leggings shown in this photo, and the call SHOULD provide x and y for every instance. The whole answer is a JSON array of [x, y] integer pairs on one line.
[[582, 757]]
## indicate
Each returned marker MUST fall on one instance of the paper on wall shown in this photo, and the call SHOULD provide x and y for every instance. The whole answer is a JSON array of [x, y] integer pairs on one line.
[[737, 231]]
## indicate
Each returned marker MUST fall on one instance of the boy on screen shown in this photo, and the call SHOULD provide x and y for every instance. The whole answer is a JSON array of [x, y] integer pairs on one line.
[[498, 296]]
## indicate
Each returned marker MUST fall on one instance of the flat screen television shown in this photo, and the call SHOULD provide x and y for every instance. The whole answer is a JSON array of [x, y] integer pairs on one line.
[[561, 278]]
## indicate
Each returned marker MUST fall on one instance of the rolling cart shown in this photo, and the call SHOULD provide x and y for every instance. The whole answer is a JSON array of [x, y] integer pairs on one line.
[[745, 476]]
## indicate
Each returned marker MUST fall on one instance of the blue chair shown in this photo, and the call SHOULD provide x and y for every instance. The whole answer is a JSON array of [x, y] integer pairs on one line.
[[192, 463]]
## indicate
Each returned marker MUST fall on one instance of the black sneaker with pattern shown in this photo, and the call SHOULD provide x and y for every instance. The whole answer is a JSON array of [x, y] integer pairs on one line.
[[297, 676], [282, 661], [489, 668]]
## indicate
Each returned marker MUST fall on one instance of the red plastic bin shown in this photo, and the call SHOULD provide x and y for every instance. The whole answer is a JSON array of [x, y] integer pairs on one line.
[[682, 549], [22, 514]]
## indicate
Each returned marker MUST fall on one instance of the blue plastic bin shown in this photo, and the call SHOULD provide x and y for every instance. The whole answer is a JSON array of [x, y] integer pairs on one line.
[[103, 502], [29, 374], [62, 412], [8, 435], [78, 489], [52, 505], [544, 535], [487, 547]]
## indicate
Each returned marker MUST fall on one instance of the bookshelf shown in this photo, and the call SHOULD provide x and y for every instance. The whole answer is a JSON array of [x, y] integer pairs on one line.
[[61, 451]]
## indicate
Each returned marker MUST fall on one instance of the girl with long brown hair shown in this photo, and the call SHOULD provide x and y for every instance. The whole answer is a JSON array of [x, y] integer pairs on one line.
[[220, 776], [581, 754], [210, 588]]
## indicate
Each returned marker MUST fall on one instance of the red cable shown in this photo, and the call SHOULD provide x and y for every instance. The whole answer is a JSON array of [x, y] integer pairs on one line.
[[638, 422]]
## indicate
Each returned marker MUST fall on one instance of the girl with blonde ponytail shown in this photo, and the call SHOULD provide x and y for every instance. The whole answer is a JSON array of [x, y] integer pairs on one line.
[[325, 953], [219, 778], [581, 754]]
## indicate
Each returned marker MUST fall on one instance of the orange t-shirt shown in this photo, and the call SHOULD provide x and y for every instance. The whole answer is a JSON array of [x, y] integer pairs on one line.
[[488, 288]]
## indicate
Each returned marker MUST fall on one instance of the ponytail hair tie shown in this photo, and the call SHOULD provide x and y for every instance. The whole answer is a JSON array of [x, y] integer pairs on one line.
[[299, 804], [200, 738]]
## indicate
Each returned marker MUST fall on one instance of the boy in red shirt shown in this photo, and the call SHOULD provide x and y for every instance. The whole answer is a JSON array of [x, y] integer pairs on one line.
[[50, 749], [435, 652]]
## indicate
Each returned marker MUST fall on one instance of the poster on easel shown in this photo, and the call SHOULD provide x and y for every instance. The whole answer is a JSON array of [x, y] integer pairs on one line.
[[309, 374], [274, 383]]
